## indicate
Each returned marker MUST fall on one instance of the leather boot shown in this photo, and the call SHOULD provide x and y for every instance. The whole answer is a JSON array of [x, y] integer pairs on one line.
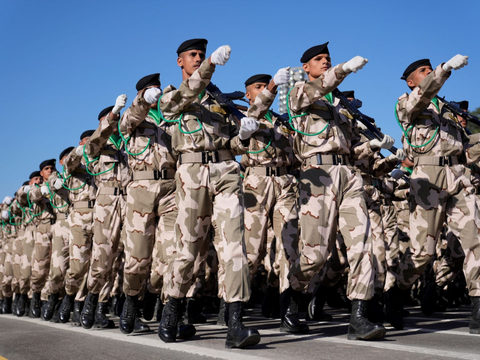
[[113, 304], [7, 305], [394, 307], [149, 301], [289, 302], [66, 308], [16, 296], [77, 312], [158, 308], [101, 320], [271, 302], [128, 315], [22, 302], [35, 306], [315, 306], [120, 303], [430, 298], [184, 331], [27, 306], [375, 311], [222, 313], [238, 336], [194, 313], [87, 317], [49, 308], [474, 327], [167, 329], [55, 318], [360, 328], [139, 326]]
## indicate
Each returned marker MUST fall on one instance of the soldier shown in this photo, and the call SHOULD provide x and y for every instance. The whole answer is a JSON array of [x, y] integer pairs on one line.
[[208, 189], [330, 191], [9, 235], [441, 189]]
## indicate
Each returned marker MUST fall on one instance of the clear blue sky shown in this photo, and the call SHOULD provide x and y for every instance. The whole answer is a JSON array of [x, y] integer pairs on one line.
[[61, 62]]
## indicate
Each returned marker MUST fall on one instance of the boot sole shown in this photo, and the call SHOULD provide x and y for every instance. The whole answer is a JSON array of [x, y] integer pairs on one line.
[[250, 341], [372, 335]]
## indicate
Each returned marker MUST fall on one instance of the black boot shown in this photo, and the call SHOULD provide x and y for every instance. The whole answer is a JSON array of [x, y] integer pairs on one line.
[[158, 308], [194, 312], [430, 298], [149, 301], [289, 303], [360, 328], [271, 302], [77, 312], [35, 306], [16, 297], [120, 303], [49, 308], [375, 311], [7, 305], [1, 306], [475, 321], [128, 315], [27, 306], [394, 307], [315, 306], [167, 329], [87, 317], [101, 320], [139, 326], [222, 313], [66, 308], [55, 318], [22, 302], [113, 304], [238, 336], [184, 331]]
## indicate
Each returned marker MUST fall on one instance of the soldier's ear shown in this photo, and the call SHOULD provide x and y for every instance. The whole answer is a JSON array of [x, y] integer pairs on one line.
[[180, 61], [306, 67]]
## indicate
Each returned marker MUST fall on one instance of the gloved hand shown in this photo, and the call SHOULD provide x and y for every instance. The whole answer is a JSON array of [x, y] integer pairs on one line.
[[8, 200], [5, 215], [79, 150], [221, 55], [58, 184], [282, 76], [247, 128], [397, 174], [354, 64], [119, 104], [44, 190], [26, 188], [361, 125], [400, 155], [386, 143], [455, 63], [152, 95]]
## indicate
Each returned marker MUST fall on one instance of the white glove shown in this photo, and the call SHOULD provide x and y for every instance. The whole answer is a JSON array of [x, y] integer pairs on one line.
[[399, 155], [361, 125], [44, 190], [397, 173], [79, 150], [5, 215], [354, 64], [282, 76], [386, 143], [152, 95], [26, 188], [8, 200], [221, 55], [247, 128], [455, 63], [58, 184], [119, 104]]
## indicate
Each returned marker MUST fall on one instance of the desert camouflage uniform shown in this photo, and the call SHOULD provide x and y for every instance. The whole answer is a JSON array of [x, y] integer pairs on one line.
[[208, 185], [18, 221], [330, 191], [9, 235], [2, 257], [402, 209], [441, 188]]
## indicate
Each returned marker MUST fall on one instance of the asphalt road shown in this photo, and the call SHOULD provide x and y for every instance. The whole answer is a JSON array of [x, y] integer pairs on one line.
[[441, 336]]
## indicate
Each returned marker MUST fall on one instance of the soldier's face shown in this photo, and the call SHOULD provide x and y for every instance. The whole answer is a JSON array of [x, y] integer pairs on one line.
[[83, 141], [46, 172], [190, 61], [317, 66], [35, 180], [253, 90], [462, 121], [416, 77]]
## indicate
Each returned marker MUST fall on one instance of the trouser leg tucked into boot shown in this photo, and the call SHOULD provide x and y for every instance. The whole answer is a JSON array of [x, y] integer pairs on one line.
[[101, 320], [290, 301], [66, 308], [238, 336], [360, 328], [475, 321], [87, 318], [49, 308]]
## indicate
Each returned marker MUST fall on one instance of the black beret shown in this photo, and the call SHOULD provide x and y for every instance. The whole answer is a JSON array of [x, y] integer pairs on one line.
[[105, 112], [259, 78], [34, 174], [349, 94], [148, 80], [314, 51], [26, 183], [414, 66], [193, 44], [87, 133], [50, 162], [66, 152]]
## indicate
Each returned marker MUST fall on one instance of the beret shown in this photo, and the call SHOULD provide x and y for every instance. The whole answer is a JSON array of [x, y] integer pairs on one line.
[[149, 80], [259, 78], [193, 44], [314, 51], [105, 112], [65, 152], [414, 66]]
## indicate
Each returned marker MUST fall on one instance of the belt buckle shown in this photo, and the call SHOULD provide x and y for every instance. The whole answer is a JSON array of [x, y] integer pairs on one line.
[[156, 175], [209, 156], [443, 161], [91, 203], [319, 159]]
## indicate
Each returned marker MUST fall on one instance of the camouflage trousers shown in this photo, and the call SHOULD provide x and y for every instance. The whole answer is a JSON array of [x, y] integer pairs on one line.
[[438, 195], [60, 254], [2, 267], [26, 261], [331, 195], [392, 249], [402, 209], [108, 230], [7, 266], [17, 260], [151, 215], [274, 256], [210, 194], [117, 271], [80, 222], [41, 256], [274, 199]]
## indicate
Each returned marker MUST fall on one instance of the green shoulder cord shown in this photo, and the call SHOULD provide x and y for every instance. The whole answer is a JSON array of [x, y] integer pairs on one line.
[[13, 217], [268, 115], [51, 197], [179, 120], [68, 177], [4, 224], [290, 119], [405, 133], [85, 156], [125, 140]]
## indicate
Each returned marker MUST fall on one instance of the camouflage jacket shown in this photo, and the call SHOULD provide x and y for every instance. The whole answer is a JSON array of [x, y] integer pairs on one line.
[[329, 128], [76, 180], [436, 132], [108, 162], [40, 207], [199, 124], [149, 143], [375, 165], [58, 199]]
